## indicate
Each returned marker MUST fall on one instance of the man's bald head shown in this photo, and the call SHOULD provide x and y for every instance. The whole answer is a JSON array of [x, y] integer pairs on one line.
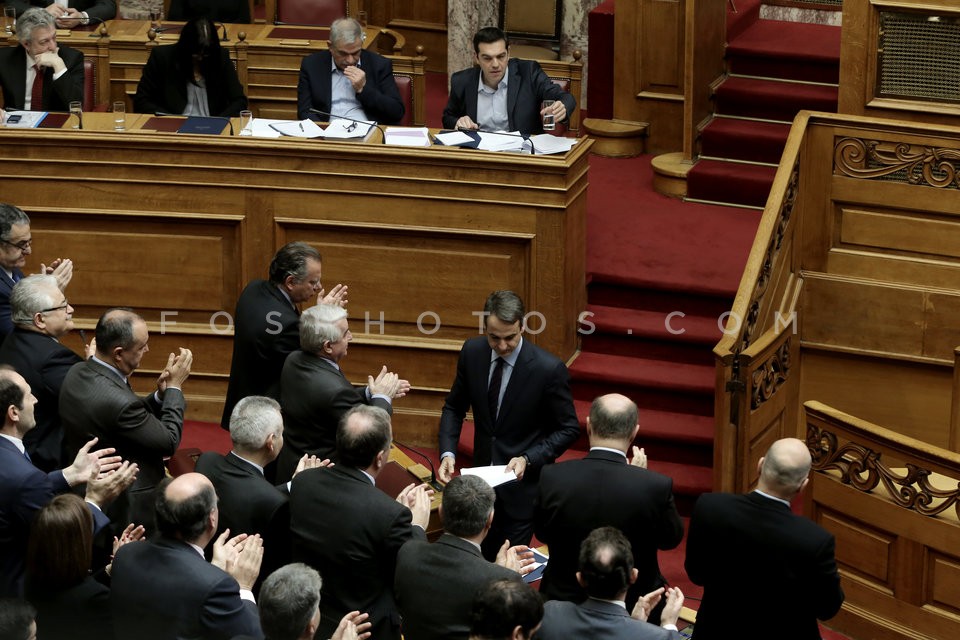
[[785, 467], [613, 417], [184, 507]]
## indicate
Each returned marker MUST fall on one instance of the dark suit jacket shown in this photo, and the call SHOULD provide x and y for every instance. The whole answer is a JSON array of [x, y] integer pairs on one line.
[[81, 612], [380, 97], [536, 418], [314, 396], [235, 11], [164, 590], [527, 87], [103, 9], [24, 489], [350, 531], [741, 544], [163, 89], [44, 363], [597, 619], [249, 504], [6, 288], [266, 330], [435, 585], [600, 490], [95, 402], [57, 95]]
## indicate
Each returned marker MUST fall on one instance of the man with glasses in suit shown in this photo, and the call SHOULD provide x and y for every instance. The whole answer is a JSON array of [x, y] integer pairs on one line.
[[16, 243]]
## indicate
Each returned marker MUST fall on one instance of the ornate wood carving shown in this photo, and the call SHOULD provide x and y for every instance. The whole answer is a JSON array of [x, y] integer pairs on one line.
[[771, 375], [912, 164], [863, 469]]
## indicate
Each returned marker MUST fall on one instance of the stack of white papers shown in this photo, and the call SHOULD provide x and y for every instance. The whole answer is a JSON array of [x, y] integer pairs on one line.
[[347, 129], [408, 136], [297, 128], [453, 138], [545, 144], [512, 141], [493, 475]]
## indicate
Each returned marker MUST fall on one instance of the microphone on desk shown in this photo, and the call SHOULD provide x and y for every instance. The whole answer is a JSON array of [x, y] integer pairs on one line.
[[224, 37], [383, 133], [229, 122], [433, 472]]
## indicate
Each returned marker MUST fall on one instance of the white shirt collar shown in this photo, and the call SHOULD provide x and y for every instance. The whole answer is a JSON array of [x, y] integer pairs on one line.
[[112, 368], [17, 442], [608, 449], [770, 497], [250, 462]]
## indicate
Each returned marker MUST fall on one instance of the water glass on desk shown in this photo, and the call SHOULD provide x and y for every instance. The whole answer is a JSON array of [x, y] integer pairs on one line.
[[119, 116], [549, 120], [246, 123], [76, 109], [9, 20]]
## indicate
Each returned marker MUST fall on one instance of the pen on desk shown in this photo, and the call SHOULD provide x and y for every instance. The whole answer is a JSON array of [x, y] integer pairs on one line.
[[301, 128]]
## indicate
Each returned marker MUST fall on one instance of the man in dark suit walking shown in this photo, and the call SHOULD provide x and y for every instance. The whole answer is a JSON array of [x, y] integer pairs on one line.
[[503, 94], [16, 243], [350, 531], [248, 502], [37, 75], [435, 583], [522, 411], [41, 316], [96, 400], [755, 544], [163, 589], [25, 489], [603, 489], [266, 320], [314, 392], [347, 80], [606, 570]]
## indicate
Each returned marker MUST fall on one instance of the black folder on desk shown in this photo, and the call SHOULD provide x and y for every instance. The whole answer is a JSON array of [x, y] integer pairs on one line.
[[472, 144]]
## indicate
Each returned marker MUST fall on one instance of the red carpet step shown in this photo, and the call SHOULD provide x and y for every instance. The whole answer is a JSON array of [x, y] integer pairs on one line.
[[794, 50], [744, 140], [741, 14], [743, 184], [773, 100]]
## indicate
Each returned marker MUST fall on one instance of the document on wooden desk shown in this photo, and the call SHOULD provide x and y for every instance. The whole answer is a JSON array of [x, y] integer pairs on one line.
[[296, 128]]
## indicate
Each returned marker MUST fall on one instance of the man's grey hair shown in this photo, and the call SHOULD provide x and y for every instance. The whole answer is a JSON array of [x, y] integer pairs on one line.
[[9, 214], [288, 599], [318, 324], [30, 296], [253, 420], [345, 31], [31, 19], [467, 503]]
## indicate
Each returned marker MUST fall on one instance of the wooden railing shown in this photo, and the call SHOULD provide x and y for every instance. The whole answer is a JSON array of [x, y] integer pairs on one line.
[[892, 502]]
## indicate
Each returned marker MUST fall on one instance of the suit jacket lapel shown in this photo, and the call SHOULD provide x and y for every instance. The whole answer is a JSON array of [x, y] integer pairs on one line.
[[326, 80], [513, 90], [471, 96], [459, 544], [19, 88]]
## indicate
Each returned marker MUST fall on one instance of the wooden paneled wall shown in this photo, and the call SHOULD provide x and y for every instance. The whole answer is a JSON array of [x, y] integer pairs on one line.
[[422, 22]]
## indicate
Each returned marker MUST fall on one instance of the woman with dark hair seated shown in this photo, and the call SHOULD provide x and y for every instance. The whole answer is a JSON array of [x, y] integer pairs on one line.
[[193, 77], [70, 602]]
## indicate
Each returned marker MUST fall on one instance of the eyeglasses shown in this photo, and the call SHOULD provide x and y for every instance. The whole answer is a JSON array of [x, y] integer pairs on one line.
[[23, 245], [52, 309]]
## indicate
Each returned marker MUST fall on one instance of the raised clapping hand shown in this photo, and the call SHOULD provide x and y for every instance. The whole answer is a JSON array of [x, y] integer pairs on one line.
[[176, 372], [337, 295], [639, 458], [61, 269], [417, 499], [388, 384], [112, 480], [517, 558], [132, 533], [671, 610], [311, 462], [353, 626], [87, 464]]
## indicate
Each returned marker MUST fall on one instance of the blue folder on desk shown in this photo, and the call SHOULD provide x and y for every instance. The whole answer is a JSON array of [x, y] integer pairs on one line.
[[203, 125]]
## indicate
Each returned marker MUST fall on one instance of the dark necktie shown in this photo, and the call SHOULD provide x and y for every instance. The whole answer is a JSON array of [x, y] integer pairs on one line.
[[493, 392], [36, 96]]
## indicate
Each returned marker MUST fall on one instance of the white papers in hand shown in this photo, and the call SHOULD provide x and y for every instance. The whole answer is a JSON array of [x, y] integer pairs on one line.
[[545, 143], [340, 128], [408, 136], [494, 476], [297, 128], [501, 141]]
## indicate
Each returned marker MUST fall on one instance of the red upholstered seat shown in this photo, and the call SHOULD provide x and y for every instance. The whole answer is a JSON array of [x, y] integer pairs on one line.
[[89, 84], [405, 87], [313, 12]]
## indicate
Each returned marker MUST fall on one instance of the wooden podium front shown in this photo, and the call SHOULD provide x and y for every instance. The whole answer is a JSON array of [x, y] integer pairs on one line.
[[175, 225]]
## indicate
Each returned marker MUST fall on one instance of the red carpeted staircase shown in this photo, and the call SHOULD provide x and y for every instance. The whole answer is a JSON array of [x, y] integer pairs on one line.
[[775, 70]]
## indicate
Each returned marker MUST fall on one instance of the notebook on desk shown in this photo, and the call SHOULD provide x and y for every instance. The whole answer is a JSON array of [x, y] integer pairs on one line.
[[203, 125]]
